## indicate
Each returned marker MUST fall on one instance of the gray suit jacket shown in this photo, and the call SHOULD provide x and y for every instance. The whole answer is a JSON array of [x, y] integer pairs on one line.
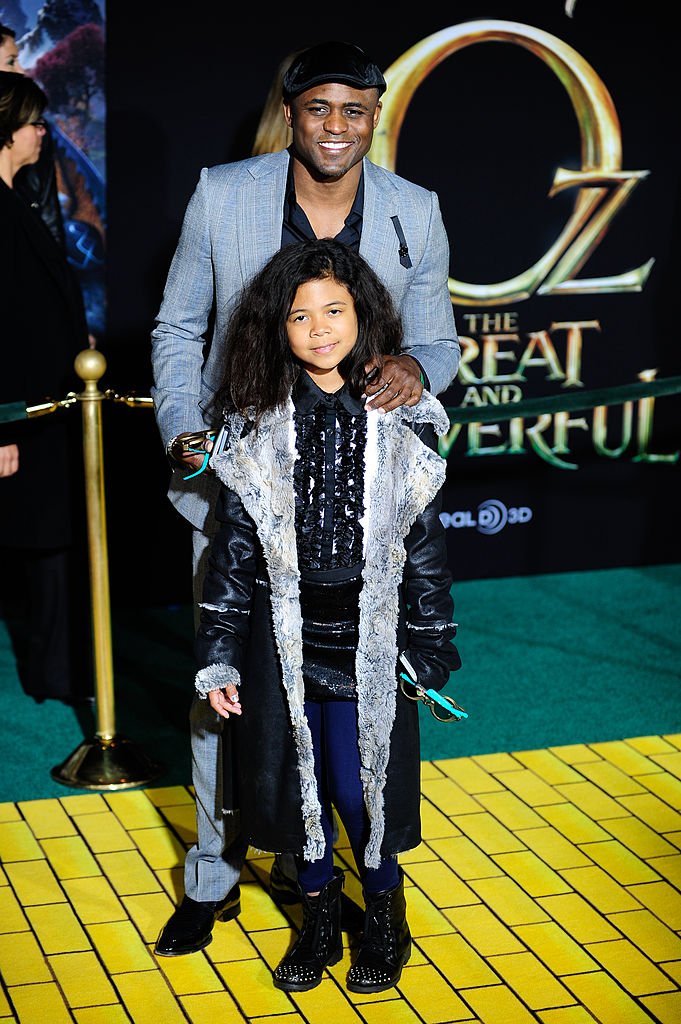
[[232, 226]]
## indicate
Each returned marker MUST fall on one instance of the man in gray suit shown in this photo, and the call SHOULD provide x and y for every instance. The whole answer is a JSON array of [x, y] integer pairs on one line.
[[323, 185]]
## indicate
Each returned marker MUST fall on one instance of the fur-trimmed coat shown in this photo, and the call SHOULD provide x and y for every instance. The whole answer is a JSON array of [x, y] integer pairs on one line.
[[251, 625]]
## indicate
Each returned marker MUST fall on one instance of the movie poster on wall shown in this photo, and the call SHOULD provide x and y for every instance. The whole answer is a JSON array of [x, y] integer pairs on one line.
[[548, 130], [559, 197], [61, 46]]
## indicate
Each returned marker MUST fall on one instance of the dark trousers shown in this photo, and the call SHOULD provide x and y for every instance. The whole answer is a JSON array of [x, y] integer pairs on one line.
[[44, 601], [333, 724]]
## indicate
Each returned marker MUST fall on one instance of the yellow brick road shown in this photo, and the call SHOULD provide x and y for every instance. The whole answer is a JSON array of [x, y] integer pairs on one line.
[[547, 888]]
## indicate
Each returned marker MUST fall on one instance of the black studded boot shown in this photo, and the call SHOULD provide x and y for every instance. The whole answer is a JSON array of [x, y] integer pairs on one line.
[[386, 944], [320, 943]]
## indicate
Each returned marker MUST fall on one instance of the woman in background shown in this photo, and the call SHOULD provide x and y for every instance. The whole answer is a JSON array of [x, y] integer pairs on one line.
[[43, 328], [36, 182]]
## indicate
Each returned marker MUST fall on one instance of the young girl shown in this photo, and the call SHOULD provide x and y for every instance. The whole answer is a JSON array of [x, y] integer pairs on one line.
[[329, 562]]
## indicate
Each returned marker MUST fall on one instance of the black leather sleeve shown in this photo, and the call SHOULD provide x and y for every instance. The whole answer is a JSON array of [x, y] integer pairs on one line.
[[428, 585], [228, 586]]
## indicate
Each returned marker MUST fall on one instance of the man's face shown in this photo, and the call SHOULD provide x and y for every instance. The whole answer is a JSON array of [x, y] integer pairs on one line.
[[9, 56], [333, 127]]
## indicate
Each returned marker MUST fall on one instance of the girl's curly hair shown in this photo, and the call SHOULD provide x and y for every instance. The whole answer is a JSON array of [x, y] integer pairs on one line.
[[260, 369]]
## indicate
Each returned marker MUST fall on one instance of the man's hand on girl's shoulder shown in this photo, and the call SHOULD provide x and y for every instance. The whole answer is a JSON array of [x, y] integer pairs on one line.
[[397, 382]]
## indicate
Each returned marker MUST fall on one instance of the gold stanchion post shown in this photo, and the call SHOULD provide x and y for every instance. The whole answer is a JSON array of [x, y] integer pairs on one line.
[[106, 761]]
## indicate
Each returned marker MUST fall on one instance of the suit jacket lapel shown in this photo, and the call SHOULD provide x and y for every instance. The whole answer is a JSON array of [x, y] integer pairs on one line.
[[379, 245], [261, 213]]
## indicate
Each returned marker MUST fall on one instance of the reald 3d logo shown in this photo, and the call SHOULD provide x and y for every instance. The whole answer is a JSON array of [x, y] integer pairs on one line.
[[491, 517]]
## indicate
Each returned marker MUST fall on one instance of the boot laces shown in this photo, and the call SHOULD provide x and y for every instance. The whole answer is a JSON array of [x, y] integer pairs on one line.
[[379, 935], [314, 932]]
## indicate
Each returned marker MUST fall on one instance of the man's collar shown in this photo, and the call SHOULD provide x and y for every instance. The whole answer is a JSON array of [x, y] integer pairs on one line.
[[358, 203]]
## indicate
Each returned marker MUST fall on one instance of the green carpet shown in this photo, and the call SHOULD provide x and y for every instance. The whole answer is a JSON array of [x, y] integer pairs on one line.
[[547, 660]]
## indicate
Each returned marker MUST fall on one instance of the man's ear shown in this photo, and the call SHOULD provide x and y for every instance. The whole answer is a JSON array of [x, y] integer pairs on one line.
[[377, 113], [288, 115]]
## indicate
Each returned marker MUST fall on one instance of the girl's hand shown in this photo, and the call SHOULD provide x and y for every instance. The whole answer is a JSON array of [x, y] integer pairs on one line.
[[225, 702], [9, 460]]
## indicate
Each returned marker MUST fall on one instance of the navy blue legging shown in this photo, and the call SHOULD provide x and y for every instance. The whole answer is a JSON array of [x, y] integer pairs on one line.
[[333, 725]]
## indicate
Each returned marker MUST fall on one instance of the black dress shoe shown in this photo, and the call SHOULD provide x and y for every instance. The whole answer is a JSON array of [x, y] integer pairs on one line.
[[283, 889], [191, 926]]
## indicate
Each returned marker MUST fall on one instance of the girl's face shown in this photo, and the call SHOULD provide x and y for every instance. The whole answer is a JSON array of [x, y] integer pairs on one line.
[[322, 330]]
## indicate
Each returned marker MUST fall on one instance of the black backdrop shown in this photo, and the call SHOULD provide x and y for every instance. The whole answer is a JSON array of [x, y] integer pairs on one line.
[[486, 130]]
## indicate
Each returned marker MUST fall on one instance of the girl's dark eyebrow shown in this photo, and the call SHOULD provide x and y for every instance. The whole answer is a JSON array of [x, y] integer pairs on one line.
[[327, 305]]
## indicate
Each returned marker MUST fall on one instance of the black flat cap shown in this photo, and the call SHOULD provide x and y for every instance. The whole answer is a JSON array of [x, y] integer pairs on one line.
[[332, 62]]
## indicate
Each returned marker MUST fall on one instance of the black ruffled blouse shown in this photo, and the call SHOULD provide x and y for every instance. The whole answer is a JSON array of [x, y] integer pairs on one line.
[[328, 481]]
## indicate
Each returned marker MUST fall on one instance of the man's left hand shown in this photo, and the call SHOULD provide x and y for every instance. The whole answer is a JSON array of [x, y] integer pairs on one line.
[[398, 383]]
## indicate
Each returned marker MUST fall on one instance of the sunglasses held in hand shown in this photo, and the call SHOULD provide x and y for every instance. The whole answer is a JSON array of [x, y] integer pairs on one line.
[[443, 708], [192, 444]]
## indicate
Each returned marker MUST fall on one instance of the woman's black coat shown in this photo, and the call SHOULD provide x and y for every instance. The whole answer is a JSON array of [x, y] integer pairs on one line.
[[42, 329]]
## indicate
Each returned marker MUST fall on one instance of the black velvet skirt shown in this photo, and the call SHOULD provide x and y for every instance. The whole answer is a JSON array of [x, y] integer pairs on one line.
[[330, 610]]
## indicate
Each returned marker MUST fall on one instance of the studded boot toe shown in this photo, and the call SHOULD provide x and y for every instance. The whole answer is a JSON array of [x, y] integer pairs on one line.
[[386, 943], [319, 944]]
